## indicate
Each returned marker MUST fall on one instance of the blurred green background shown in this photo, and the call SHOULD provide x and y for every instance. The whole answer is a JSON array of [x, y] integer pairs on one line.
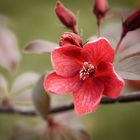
[[35, 19]]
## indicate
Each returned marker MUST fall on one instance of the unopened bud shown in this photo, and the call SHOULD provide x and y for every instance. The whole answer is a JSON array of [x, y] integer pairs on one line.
[[132, 22], [70, 39], [66, 16], [100, 8]]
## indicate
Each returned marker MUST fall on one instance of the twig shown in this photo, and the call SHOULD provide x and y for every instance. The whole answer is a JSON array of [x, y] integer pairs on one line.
[[17, 111], [105, 100], [122, 99]]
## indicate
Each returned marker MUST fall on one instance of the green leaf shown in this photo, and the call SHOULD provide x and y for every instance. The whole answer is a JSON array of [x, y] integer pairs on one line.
[[40, 98]]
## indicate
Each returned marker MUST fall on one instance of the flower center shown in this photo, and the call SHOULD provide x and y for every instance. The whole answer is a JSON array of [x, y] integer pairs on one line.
[[87, 70]]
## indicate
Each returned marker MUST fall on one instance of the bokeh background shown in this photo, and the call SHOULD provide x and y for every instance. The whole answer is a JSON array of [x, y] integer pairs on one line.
[[36, 19]]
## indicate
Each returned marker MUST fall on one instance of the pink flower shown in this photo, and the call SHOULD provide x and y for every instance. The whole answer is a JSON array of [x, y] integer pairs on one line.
[[86, 72]]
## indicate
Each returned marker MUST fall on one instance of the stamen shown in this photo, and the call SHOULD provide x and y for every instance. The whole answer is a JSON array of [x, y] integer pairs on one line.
[[87, 71]]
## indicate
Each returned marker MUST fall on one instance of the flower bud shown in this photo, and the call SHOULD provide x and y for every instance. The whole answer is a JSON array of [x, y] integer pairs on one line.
[[132, 22], [70, 39], [66, 16], [100, 8]]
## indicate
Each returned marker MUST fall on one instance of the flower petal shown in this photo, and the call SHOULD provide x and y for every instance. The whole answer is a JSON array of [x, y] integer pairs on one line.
[[113, 84], [56, 84], [67, 61], [88, 97], [99, 50]]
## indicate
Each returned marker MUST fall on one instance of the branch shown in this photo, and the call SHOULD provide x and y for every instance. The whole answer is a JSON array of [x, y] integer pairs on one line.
[[10, 110], [122, 99], [105, 100]]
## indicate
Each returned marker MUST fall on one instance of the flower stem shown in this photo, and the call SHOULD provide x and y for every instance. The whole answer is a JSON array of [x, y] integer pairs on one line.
[[99, 27], [75, 29], [119, 43]]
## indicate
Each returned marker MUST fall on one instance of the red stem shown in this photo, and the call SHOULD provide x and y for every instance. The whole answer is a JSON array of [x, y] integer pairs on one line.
[[75, 29], [99, 27], [119, 43]]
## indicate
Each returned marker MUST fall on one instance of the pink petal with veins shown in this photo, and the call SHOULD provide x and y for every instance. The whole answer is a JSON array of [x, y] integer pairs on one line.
[[88, 97], [113, 84], [67, 61], [57, 84], [99, 50]]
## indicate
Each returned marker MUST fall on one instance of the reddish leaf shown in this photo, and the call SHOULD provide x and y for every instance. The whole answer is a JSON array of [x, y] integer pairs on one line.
[[40, 46], [23, 99], [131, 51], [24, 81], [21, 91], [129, 68], [9, 53]]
